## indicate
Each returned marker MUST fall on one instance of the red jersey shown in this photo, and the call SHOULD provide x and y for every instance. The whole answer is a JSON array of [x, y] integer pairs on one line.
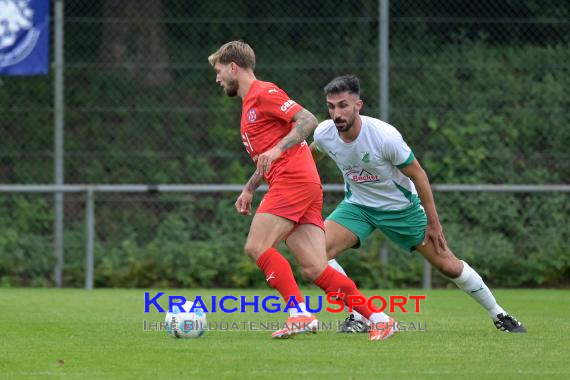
[[266, 117]]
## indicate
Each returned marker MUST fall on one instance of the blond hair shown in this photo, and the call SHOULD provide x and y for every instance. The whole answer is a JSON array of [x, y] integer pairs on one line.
[[237, 52]]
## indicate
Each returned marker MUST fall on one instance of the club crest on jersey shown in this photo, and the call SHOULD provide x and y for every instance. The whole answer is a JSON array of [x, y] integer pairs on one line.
[[251, 115], [365, 157]]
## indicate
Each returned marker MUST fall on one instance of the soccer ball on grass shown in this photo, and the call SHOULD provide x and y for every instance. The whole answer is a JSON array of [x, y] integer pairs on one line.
[[184, 323]]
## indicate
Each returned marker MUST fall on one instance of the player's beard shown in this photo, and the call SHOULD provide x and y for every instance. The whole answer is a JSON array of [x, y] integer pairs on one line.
[[231, 88], [346, 125]]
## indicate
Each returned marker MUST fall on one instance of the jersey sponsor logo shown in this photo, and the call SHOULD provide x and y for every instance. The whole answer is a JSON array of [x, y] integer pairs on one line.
[[251, 115], [288, 104], [361, 176]]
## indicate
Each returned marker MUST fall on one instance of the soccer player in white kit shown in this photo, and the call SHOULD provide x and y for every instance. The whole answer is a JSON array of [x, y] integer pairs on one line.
[[386, 188]]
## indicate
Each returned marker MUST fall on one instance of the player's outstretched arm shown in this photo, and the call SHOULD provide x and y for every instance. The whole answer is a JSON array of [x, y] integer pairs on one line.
[[434, 231], [305, 124], [317, 154], [243, 203]]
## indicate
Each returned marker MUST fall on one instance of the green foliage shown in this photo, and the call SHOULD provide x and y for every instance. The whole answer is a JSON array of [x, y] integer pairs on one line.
[[483, 105], [26, 254], [197, 241]]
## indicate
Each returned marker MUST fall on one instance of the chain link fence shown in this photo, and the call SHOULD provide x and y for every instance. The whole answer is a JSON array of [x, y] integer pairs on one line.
[[479, 91]]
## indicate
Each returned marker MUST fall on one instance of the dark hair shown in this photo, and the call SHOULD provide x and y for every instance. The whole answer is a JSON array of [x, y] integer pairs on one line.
[[343, 83]]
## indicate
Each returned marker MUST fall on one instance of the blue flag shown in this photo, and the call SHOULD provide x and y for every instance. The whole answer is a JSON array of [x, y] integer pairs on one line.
[[24, 37]]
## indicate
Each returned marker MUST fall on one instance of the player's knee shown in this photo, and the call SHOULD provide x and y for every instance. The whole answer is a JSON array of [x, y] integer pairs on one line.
[[450, 267], [254, 250]]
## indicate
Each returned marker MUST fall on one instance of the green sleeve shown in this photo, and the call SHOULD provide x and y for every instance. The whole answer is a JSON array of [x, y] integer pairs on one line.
[[407, 162]]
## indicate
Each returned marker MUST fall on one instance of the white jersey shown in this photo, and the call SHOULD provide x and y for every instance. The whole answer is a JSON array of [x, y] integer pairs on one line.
[[370, 164]]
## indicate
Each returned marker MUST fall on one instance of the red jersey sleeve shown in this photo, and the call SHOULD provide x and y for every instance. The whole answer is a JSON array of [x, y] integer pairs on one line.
[[276, 103]]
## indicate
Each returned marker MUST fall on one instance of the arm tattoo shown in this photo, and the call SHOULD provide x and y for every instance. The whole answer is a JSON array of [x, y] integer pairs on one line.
[[254, 182], [306, 124]]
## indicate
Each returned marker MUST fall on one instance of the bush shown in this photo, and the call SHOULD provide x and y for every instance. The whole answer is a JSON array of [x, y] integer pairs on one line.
[[496, 116]]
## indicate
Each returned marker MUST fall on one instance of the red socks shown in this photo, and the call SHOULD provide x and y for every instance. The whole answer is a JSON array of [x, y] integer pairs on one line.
[[333, 281], [279, 275]]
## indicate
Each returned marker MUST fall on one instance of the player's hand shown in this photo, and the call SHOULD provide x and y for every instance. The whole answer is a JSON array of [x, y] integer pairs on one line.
[[434, 232], [265, 160], [243, 203]]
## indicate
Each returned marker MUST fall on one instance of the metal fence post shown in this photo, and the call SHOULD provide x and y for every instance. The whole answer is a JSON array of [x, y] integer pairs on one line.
[[427, 275], [58, 143], [90, 237], [384, 57], [384, 257]]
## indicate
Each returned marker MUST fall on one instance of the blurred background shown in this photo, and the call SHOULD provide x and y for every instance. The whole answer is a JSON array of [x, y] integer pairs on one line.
[[479, 90]]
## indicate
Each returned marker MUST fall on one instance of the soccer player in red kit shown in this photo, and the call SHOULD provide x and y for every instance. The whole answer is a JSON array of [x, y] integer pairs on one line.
[[273, 131]]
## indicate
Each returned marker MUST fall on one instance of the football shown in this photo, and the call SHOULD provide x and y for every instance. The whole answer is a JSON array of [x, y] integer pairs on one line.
[[185, 324]]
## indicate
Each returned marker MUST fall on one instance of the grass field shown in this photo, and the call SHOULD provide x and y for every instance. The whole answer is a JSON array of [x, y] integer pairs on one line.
[[77, 334]]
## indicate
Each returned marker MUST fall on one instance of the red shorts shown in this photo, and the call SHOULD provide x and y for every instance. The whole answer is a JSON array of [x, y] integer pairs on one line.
[[301, 203]]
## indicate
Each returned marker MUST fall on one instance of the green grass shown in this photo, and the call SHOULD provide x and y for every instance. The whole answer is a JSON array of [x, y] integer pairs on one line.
[[78, 334]]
